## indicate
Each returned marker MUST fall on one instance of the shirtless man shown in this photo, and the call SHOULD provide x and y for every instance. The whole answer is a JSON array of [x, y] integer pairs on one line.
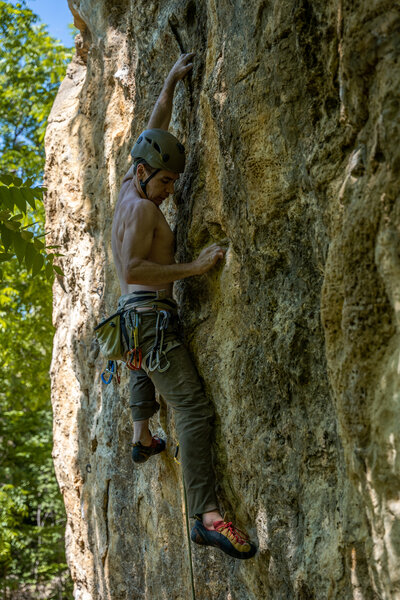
[[143, 249]]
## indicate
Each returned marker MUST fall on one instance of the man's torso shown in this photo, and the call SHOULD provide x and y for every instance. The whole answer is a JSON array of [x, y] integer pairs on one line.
[[162, 248]]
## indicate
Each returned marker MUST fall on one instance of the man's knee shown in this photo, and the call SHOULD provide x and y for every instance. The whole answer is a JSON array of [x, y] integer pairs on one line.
[[143, 410], [142, 396]]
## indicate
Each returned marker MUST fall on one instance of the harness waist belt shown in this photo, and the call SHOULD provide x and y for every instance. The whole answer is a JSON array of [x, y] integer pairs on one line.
[[157, 303]]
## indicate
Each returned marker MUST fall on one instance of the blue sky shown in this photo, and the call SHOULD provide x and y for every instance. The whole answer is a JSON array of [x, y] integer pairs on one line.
[[56, 15]]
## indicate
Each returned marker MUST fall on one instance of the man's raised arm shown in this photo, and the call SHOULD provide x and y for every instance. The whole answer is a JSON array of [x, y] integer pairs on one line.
[[162, 111], [161, 115]]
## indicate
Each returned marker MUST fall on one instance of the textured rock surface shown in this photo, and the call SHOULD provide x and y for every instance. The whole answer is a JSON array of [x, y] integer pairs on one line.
[[291, 118]]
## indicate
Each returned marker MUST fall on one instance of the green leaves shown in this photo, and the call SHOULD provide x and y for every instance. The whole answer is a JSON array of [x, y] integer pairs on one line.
[[32, 65], [28, 489], [12, 511], [16, 235], [32, 516]]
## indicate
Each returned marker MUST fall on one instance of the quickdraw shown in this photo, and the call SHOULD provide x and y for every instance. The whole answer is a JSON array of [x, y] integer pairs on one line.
[[157, 355], [134, 359], [134, 356], [112, 369]]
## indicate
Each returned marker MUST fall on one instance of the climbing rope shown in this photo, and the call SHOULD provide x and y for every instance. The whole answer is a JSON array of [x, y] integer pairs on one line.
[[187, 525]]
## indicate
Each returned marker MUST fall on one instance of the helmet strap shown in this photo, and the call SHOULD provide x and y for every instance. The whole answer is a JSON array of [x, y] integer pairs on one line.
[[143, 184]]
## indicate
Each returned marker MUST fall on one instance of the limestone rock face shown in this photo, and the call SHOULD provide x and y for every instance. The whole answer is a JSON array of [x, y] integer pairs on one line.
[[291, 121]]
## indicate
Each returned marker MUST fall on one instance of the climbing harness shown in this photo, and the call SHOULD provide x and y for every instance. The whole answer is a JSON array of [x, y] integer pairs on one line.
[[112, 369], [157, 354], [187, 524], [118, 335]]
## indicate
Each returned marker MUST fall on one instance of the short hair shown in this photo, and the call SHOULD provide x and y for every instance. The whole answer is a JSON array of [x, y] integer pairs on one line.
[[141, 161]]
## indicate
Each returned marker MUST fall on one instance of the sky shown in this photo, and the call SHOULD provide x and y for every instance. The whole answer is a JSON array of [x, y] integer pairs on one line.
[[56, 15]]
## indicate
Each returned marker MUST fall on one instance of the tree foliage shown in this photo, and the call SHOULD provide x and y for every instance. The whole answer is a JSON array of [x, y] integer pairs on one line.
[[32, 65], [31, 511], [32, 518], [19, 235]]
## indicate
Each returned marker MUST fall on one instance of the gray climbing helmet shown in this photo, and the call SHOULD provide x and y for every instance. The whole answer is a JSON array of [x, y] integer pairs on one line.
[[161, 150]]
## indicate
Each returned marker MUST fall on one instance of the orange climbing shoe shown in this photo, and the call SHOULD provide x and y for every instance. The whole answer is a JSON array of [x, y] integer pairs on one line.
[[142, 453], [226, 537]]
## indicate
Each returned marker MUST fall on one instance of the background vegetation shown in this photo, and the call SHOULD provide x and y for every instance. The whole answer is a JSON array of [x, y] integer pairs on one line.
[[32, 518]]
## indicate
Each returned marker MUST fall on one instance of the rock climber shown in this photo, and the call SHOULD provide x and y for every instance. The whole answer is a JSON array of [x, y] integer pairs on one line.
[[143, 249]]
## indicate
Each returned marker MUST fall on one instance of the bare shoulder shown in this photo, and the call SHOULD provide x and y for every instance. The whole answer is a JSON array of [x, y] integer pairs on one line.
[[144, 208], [129, 175], [141, 211]]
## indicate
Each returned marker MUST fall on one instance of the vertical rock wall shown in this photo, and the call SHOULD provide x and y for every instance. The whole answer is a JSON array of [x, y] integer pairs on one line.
[[291, 119]]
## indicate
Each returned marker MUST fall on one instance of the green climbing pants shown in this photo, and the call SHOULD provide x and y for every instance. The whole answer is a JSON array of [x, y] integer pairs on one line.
[[181, 388]]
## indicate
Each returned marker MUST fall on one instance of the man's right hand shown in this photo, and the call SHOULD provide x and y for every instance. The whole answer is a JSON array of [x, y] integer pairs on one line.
[[208, 257], [161, 115], [182, 66]]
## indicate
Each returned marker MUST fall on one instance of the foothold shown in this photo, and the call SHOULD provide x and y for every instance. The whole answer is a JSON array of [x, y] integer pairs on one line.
[[121, 75], [88, 468]]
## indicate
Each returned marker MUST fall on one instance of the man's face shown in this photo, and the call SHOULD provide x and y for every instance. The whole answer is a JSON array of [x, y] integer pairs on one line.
[[161, 186]]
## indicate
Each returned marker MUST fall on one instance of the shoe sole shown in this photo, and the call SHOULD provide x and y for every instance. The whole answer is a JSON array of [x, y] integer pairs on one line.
[[198, 536], [143, 455]]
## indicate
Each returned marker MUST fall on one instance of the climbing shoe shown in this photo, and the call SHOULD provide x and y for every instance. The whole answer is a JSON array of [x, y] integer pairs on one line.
[[142, 453], [226, 537]]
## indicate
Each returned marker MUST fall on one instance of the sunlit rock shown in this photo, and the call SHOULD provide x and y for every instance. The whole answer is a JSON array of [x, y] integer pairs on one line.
[[291, 121]]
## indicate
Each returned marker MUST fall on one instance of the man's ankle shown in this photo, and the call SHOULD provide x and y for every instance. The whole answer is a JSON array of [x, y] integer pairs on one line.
[[210, 517], [142, 433], [145, 440]]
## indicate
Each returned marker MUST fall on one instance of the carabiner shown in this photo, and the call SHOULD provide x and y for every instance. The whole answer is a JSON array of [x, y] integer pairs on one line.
[[159, 359], [150, 361], [109, 369], [166, 318], [118, 374], [134, 359]]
